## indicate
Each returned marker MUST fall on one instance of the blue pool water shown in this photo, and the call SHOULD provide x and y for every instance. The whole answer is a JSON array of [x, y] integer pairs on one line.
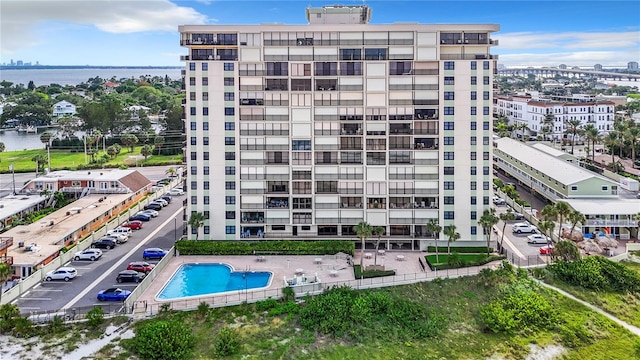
[[205, 279]]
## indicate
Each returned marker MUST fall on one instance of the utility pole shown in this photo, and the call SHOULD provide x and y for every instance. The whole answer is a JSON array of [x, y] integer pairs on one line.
[[49, 152], [84, 138], [13, 175]]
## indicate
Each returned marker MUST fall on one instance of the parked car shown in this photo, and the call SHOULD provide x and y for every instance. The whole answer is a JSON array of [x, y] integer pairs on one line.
[[166, 198], [160, 201], [538, 239], [141, 266], [120, 230], [134, 224], [104, 243], [153, 206], [164, 181], [88, 254], [176, 192], [518, 216], [498, 201], [153, 253], [113, 294], [118, 238], [63, 273], [546, 250], [129, 276], [140, 217], [151, 212], [520, 228]]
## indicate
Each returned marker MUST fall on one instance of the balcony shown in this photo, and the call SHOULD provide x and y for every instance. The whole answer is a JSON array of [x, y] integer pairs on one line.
[[277, 202], [6, 260], [468, 57], [5, 242], [252, 217], [611, 222]]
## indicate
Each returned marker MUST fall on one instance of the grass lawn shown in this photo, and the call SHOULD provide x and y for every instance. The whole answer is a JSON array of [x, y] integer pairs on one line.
[[443, 259], [457, 301], [626, 307], [64, 159]]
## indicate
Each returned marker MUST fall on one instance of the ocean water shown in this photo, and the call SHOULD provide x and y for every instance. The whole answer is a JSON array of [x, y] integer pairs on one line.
[[76, 76]]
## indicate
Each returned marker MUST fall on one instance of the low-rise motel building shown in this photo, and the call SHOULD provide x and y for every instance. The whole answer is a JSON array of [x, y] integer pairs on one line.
[[102, 196]]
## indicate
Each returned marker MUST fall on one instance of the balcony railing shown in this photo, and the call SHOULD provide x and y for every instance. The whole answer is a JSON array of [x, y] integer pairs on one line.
[[468, 56], [6, 260], [611, 222], [5, 242]]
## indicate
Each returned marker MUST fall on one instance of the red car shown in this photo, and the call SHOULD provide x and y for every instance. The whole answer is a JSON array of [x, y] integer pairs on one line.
[[140, 266], [546, 250], [133, 224]]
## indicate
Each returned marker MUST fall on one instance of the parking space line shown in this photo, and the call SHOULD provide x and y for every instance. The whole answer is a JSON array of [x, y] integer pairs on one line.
[[46, 290], [118, 263], [122, 285], [29, 307], [510, 244], [36, 299]]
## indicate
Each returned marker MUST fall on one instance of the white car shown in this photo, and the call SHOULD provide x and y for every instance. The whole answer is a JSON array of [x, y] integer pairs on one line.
[[520, 228], [118, 238], [498, 200], [160, 201], [150, 212], [63, 273], [176, 192], [88, 254], [120, 230], [538, 239]]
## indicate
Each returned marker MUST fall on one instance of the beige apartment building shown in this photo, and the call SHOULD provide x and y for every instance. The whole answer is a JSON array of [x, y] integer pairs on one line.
[[302, 131]]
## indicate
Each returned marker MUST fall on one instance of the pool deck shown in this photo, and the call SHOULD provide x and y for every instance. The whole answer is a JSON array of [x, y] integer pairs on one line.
[[281, 266]]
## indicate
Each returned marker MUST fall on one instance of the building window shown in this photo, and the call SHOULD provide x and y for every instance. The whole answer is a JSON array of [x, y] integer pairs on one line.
[[474, 170], [449, 110], [229, 111], [205, 140], [206, 214], [474, 230], [205, 66], [205, 111], [485, 110], [229, 170], [194, 200], [192, 81], [230, 185], [485, 80], [448, 185], [448, 215], [229, 229], [485, 95], [449, 170], [474, 155], [193, 126], [300, 144], [474, 200], [193, 140], [229, 140], [205, 125], [229, 200], [205, 155], [449, 80], [194, 185], [605, 188], [194, 156], [229, 155], [206, 229], [485, 125], [474, 215], [206, 199], [192, 110], [205, 170], [229, 96], [485, 65], [485, 155], [205, 185], [229, 126], [230, 215], [485, 140], [474, 110], [474, 80], [228, 66], [194, 170], [474, 140], [205, 81], [485, 185], [474, 125], [449, 95], [448, 140], [485, 200], [448, 125], [192, 96], [228, 81], [474, 65], [474, 185], [449, 65], [192, 66], [485, 170], [474, 95], [574, 188], [448, 155], [449, 200]]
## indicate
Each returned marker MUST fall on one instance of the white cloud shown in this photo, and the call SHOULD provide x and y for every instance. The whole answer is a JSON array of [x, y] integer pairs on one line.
[[568, 40], [20, 17]]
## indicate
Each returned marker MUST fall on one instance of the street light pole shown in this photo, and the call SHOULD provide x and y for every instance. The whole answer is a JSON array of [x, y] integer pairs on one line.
[[175, 229]]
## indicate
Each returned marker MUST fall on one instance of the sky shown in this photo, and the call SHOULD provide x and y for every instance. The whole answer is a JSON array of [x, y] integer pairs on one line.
[[145, 32]]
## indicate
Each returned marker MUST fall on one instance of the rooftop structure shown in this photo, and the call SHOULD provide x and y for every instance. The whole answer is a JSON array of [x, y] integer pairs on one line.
[[19, 205], [339, 14], [102, 181]]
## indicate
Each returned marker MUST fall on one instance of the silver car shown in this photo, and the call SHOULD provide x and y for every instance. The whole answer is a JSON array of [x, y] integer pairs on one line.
[[63, 273], [88, 254]]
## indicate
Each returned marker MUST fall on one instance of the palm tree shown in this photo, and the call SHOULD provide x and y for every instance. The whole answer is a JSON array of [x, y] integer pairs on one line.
[[633, 134], [171, 171], [452, 236], [5, 274], [546, 228], [196, 221], [573, 128], [434, 229], [521, 126], [45, 137], [576, 217], [377, 231], [545, 131], [2, 147], [563, 210], [505, 217], [611, 141], [621, 128], [592, 135], [487, 221], [363, 231]]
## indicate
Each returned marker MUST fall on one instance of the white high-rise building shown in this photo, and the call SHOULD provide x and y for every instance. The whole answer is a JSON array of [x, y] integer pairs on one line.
[[302, 131]]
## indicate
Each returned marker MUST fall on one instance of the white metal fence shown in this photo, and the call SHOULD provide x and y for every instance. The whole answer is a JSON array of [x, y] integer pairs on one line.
[[148, 279]]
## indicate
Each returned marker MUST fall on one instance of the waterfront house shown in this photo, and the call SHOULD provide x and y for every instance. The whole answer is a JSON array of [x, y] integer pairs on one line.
[[63, 108]]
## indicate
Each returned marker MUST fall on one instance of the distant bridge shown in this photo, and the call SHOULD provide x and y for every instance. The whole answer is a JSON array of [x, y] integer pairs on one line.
[[550, 72]]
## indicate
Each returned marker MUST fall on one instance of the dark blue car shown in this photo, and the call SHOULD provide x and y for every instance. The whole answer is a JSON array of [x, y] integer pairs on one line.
[[113, 294], [141, 217], [153, 253]]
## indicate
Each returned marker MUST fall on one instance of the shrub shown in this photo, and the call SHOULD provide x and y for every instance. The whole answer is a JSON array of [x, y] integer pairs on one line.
[[367, 274], [460, 260], [203, 310], [597, 273], [227, 342], [461, 249], [216, 247], [288, 307], [575, 335], [56, 325], [95, 317], [265, 305], [163, 340], [288, 294]]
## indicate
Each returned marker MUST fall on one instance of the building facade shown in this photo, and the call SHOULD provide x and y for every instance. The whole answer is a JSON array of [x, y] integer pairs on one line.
[[63, 108], [302, 131], [537, 114]]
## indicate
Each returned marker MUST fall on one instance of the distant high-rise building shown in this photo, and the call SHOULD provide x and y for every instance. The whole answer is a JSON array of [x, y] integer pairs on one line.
[[632, 65], [303, 131], [597, 67], [562, 66], [19, 63]]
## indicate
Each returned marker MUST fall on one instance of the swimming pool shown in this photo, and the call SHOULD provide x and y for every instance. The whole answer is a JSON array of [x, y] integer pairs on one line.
[[205, 279]]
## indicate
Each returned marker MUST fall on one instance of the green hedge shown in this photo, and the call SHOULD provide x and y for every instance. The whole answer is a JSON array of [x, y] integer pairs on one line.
[[265, 247], [367, 274], [461, 260], [461, 250]]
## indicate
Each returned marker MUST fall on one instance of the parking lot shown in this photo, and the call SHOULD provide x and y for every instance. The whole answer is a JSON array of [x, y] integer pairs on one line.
[[94, 276]]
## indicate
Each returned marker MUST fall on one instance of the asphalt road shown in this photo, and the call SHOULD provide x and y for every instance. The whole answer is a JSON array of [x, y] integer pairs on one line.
[[101, 274]]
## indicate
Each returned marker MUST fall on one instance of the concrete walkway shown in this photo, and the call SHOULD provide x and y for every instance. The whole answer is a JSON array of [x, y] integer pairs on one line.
[[633, 329]]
